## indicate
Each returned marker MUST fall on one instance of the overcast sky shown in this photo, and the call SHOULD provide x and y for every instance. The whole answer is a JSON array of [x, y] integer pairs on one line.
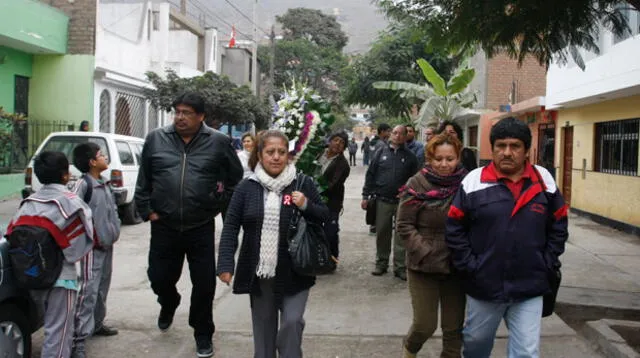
[[360, 19]]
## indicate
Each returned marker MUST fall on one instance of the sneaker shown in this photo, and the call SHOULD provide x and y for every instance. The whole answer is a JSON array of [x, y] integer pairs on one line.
[[105, 331], [165, 319], [204, 347]]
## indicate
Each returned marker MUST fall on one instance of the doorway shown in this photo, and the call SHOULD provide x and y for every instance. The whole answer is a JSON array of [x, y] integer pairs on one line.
[[546, 147]]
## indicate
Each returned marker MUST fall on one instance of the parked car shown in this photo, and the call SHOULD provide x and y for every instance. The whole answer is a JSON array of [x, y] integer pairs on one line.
[[19, 317], [124, 154]]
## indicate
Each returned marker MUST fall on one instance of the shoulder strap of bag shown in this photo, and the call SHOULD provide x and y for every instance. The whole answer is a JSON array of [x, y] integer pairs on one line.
[[89, 192], [299, 181]]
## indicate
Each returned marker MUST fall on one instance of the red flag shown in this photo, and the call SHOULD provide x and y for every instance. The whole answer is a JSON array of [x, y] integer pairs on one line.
[[232, 40]]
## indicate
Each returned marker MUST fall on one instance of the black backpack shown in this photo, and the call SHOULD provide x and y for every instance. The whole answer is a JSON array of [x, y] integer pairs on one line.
[[35, 256]]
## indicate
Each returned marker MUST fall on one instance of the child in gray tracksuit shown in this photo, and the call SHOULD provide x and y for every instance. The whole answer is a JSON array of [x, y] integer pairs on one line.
[[69, 221], [96, 268]]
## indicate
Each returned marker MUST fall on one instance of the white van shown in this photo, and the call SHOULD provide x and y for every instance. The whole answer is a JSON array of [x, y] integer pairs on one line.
[[123, 152]]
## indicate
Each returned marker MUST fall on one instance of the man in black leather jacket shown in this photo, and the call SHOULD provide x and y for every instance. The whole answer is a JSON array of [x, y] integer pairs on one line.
[[187, 172], [390, 168]]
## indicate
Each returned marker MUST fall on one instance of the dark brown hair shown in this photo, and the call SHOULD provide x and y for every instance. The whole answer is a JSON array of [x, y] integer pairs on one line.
[[261, 138], [248, 135], [440, 139]]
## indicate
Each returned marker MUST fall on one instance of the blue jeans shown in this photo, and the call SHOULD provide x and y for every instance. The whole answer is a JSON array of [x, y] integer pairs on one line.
[[523, 321]]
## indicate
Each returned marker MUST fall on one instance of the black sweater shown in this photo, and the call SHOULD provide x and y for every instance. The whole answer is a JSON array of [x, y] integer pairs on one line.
[[336, 174], [246, 210]]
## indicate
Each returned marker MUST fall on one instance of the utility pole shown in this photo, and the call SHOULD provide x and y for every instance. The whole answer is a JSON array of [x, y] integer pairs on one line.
[[272, 43], [254, 56]]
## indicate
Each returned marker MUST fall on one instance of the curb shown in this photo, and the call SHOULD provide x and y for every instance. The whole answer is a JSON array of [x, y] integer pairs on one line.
[[586, 304], [611, 343]]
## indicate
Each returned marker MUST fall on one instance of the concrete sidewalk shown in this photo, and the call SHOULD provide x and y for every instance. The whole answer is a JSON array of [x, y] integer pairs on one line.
[[601, 273]]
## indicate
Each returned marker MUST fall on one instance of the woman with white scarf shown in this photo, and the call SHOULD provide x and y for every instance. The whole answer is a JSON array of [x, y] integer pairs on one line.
[[264, 269]]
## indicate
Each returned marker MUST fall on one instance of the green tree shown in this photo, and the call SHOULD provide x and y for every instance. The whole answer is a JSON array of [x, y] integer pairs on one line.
[[311, 52], [313, 25], [226, 102], [392, 58], [441, 100], [544, 29]]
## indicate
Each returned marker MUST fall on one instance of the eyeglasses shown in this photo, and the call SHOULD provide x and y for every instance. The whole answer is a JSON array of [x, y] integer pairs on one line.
[[186, 114]]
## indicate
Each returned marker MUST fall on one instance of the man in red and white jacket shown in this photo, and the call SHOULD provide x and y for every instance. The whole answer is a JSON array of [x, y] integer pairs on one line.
[[507, 226]]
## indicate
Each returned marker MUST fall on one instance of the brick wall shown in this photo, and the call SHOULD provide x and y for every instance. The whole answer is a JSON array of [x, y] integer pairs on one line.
[[530, 80], [82, 24]]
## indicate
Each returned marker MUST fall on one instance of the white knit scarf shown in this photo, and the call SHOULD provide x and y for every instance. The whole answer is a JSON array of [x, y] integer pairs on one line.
[[269, 237]]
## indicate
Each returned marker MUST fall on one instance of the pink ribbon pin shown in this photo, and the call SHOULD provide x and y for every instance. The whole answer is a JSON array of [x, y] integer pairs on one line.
[[287, 199]]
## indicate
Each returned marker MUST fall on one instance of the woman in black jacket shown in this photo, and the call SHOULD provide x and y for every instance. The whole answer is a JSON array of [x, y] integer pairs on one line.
[[264, 269], [335, 170]]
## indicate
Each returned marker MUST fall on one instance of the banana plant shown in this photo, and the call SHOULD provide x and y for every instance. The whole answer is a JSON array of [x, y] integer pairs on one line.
[[441, 101]]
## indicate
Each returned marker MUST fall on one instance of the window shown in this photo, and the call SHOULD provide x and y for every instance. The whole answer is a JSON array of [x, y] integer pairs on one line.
[[65, 144], [126, 157], [617, 147], [473, 136], [21, 95], [137, 151], [632, 17]]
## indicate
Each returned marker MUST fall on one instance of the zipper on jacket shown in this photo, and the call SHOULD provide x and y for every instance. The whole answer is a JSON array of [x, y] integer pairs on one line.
[[184, 166]]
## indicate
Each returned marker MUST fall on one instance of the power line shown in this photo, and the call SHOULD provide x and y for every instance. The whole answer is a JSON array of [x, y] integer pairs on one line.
[[206, 10], [246, 17]]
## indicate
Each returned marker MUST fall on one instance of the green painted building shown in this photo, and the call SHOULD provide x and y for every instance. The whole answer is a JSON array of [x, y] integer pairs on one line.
[[40, 78], [28, 29], [38, 75]]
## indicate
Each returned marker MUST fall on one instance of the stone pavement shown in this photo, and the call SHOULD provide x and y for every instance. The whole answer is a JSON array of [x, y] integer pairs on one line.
[[352, 313]]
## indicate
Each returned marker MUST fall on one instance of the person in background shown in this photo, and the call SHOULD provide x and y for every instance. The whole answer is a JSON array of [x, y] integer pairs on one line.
[[264, 270], [380, 139], [353, 149], [366, 151], [433, 282], [468, 157], [248, 142], [414, 145], [84, 126], [428, 134], [506, 229], [335, 171], [91, 306], [186, 174], [391, 166], [67, 216]]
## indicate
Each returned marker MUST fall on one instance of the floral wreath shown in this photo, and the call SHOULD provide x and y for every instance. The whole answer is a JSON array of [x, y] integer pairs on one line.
[[304, 117]]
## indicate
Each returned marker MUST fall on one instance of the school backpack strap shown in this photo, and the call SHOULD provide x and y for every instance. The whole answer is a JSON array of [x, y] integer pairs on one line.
[[89, 192]]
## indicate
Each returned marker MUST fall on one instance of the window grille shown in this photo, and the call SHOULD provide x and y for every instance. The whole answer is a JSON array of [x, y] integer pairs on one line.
[[617, 147]]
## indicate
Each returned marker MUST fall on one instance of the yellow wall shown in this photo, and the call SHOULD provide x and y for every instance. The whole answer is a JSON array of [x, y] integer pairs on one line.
[[608, 195]]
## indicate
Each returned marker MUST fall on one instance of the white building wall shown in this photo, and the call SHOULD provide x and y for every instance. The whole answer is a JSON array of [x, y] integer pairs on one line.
[[614, 73], [184, 48], [133, 38], [123, 41]]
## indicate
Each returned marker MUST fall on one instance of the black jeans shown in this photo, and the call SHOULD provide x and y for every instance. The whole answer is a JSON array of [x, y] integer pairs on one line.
[[352, 159], [331, 230], [166, 256]]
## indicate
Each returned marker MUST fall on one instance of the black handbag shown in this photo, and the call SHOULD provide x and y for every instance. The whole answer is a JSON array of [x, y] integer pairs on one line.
[[549, 300], [370, 217], [308, 246]]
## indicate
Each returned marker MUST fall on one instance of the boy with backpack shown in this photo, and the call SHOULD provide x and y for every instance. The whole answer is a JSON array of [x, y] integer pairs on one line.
[[96, 268], [51, 231]]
